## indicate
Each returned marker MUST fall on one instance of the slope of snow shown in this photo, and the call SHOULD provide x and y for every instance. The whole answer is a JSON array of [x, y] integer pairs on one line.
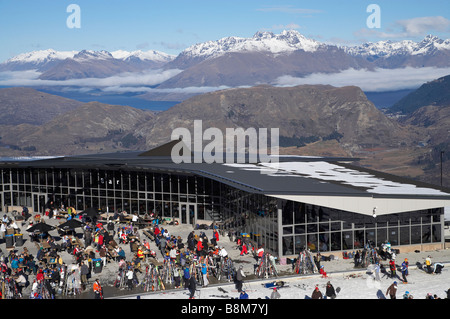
[[151, 55], [285, 42], [41, 56], [357, 284], [389, 48]]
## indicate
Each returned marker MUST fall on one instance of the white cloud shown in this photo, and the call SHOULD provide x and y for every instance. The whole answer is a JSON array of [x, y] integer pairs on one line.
[[31, 78], [370, 81], [415, 27], [422, 25]]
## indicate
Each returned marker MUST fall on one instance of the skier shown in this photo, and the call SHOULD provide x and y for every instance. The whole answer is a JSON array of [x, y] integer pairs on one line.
[[406, 262], [240, 275], [176, 277], [222, 252], [186, 277], [330, 292], [205, 275], [404, 272], [130, 276], [392, 290], [377, 272], [192, 287], [322, 272], [244, 249], [392, 267]]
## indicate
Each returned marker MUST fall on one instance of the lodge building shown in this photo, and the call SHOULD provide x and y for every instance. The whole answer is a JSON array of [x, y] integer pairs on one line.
[[327, 204]]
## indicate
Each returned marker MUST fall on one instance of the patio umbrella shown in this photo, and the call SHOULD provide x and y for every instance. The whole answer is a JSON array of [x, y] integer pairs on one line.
[[40, 228], [91, 212], [71, 224]]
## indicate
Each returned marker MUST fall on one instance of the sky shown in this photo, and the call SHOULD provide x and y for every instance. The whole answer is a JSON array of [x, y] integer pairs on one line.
[[173, 25]]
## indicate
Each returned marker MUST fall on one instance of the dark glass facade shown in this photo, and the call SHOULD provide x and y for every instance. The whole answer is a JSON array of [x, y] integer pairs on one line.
[[283, 227]]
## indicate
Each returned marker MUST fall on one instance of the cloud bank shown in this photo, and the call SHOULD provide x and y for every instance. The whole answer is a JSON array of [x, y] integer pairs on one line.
[[370, 81], [132, 81]]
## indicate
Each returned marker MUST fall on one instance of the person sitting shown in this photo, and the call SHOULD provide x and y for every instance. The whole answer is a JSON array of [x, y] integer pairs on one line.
[[243, 295], [322, 272]]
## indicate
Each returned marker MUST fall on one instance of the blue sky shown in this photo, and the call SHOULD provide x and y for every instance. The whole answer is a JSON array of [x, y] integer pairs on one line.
[[171, 26]]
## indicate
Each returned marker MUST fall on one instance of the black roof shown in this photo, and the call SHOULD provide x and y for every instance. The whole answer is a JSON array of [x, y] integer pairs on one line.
[[248, 177]]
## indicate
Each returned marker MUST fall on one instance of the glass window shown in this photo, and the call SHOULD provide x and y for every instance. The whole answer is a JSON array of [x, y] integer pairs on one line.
[[300, 243], [426, 233], [336, 225], [415, 235], [359, 239], [312, 241], [324, 243], [381, 236], [299, 229], [324, 227], [404, 235], [436, 232], [370, 236], [288, 247], [393, 235], [336, 238]]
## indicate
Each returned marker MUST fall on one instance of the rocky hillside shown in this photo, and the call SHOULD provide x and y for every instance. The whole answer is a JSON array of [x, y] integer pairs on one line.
[[436, 92], [29, 106], [87, 128], [304, 114]]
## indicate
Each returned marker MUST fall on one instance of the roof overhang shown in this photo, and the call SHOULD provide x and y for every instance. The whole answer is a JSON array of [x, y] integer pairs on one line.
[[366, 205]]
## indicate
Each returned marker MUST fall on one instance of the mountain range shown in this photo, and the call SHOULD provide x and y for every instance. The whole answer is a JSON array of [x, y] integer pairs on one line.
[[235, 61]]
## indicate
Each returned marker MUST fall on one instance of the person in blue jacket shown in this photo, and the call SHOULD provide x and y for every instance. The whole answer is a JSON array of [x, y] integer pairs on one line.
[[205, 275], [186, 277], [243, 295]]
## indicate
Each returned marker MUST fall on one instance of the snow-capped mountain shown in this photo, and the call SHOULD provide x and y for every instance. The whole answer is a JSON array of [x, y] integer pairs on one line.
[[151, 55], [44, 60], [429, 45], [36, 60], [287, 41]]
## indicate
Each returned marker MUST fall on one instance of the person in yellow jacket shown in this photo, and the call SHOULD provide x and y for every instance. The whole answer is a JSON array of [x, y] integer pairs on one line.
[[428, 264]]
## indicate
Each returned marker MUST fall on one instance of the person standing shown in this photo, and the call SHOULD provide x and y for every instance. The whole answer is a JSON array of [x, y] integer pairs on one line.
[[428, 264], [393, 268], [404, 272], [392, 290], [192, 287], [130, 277], [240, 275], [205, 275], [330, 292], [186, 277]]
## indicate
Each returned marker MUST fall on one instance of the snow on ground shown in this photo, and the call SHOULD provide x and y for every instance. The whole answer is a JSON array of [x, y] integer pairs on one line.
[[354, 285]]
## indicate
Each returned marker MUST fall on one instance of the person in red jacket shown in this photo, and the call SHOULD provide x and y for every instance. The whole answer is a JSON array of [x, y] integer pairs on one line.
[[199, 247]]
